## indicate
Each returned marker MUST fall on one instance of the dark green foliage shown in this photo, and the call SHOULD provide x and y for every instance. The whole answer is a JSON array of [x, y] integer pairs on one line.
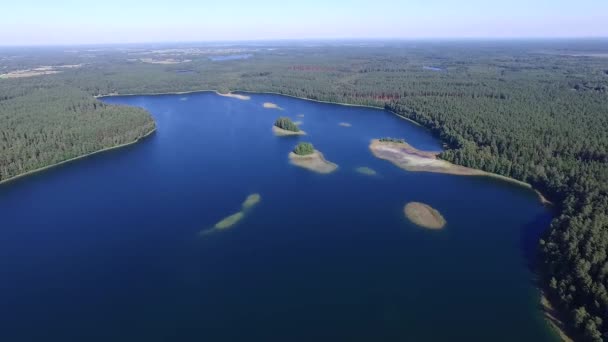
[[286, 124], [304, 148], [503, 107], [394, 140], [48, 125]]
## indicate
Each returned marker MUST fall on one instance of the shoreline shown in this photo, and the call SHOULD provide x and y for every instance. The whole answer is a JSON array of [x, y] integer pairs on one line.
[[541, 197], [44, 168], [280, 132], [428, 161], [264, 92], [553, 317]]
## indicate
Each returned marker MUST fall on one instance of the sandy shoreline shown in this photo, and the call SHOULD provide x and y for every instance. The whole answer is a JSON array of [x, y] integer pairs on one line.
[[313, 162], [552, 318], [279, 132], [235, 96], [409, 158]]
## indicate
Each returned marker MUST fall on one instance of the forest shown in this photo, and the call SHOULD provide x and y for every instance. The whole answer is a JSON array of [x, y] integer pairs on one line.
[[303, 148], [536, 111], [287, 124]]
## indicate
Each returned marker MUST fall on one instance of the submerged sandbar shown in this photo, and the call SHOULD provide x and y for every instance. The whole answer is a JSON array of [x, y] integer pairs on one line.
[[251, 201], [424, 215], [313, 162], [366, 171], [231, 220]]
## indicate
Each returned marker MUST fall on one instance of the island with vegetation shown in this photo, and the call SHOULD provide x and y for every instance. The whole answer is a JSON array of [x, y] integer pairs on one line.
[[304, 155], [283, 126], [424, 215], [502, 107]]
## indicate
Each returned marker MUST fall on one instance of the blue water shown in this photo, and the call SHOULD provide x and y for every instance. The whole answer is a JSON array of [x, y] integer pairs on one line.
[[230, 57], [107, 248]]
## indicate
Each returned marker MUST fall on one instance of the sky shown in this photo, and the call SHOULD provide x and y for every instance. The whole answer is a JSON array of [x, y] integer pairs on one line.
[[34, 22]]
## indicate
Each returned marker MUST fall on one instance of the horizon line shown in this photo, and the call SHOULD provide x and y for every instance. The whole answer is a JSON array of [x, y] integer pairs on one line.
[[329, 39]]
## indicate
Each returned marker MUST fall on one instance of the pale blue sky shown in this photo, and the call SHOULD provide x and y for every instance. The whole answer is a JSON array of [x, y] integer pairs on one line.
[[122, 21]]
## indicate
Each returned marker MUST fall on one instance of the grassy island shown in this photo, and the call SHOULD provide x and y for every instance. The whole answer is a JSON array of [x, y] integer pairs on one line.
[[304, 155], [286, 124], [283, 126], [424, 215], [393, 140], [303, 149]]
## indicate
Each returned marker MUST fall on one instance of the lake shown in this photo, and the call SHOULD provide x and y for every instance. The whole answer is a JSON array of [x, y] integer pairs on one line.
[[107, 248]]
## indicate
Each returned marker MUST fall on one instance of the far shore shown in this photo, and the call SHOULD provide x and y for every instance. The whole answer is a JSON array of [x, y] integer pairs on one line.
[[542, 198], [279, 132], [235, 96], [28, 173], [314, 162]]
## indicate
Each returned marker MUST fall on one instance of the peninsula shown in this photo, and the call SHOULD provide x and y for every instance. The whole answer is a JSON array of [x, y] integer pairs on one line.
[[403, 155]]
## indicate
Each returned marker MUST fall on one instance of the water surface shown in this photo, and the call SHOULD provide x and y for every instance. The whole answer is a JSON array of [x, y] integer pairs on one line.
[[107, 248]]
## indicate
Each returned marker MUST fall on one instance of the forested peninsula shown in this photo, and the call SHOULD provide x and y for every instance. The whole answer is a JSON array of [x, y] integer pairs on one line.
[[533, 111]]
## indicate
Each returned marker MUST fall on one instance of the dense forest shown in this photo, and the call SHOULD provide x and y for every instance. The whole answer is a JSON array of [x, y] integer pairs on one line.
[[286, 124], [45, 125], [536, 111], [303, 148]]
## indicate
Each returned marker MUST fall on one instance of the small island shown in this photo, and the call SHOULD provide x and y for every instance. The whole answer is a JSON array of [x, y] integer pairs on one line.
[[304, 155], [344, 124], [270, 105], [283, 126], [424, 215], [405, 156]]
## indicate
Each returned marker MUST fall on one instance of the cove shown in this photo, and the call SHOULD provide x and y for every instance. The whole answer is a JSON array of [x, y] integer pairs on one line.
[[107, 248]]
